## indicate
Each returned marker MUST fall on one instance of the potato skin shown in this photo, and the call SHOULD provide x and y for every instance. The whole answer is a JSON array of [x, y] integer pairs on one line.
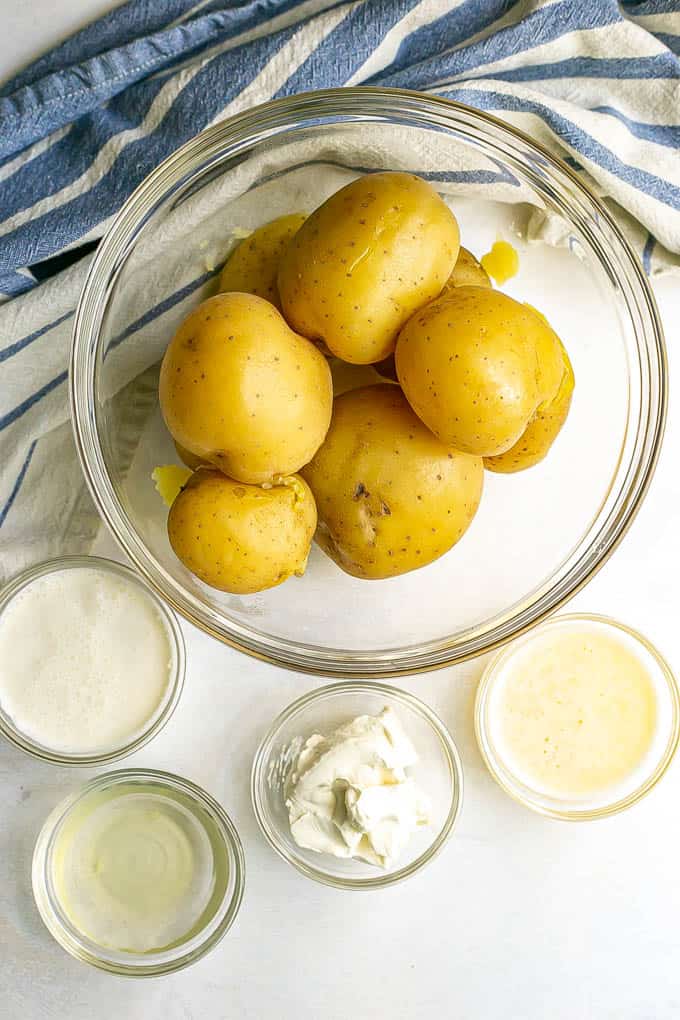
[[240, 390], [242, 538], [364, 261], [475, 366], [253, 265], [467, 272], [390, 497], [542, 430]]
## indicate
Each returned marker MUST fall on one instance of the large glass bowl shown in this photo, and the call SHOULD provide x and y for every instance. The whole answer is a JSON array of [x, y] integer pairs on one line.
[[539, 535]]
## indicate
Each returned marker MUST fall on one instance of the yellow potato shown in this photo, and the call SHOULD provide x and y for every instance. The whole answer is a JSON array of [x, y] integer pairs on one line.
[[475, 366], [242, 538], [390, 497], [240, 390], [467, 272], [364, 261], [541, 431], [253, 265]]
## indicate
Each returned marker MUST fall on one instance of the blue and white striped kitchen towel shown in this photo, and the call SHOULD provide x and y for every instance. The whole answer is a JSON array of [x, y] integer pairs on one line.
[[596, 81]]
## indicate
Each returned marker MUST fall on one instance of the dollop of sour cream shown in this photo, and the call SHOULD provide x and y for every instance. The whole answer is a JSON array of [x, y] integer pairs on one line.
[[348, 794]]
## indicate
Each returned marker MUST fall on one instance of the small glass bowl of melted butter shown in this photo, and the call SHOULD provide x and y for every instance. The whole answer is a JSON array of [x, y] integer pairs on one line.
[[579, 719]]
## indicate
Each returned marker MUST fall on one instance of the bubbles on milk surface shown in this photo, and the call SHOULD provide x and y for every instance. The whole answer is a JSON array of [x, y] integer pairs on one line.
[[85, 660]]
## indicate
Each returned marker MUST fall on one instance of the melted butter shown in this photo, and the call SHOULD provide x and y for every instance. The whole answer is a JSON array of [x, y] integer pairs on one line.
[[502, 262], [574, 712]]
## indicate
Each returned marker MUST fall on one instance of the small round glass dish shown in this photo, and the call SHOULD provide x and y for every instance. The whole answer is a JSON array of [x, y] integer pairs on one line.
[[72, 894], [159, 710], [637, 722], [437, 772]]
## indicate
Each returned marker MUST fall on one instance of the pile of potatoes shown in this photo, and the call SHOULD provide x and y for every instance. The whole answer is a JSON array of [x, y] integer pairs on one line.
[[436, 376]]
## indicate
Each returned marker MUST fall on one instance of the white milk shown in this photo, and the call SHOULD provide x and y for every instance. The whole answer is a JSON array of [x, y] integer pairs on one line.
[[85, 660]]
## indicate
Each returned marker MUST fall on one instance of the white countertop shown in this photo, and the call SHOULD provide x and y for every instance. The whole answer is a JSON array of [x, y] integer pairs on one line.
[[520, 918]]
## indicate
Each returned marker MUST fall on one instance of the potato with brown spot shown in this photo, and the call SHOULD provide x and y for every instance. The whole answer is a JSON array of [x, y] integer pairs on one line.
[[390, 497], [364, 261], [242, 538], [542, 430], [240, 390], [475, 366], [253, 265]]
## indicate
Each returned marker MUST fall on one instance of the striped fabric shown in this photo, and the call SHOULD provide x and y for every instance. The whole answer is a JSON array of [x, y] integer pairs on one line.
[[597, 82]]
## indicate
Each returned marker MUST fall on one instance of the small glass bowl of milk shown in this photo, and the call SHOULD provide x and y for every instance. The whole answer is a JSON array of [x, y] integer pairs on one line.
[[91, 661], [579, 719]]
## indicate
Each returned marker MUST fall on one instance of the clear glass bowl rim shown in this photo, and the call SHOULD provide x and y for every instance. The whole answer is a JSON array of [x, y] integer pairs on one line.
[[566, 812], [362, 103], [175, 685], [389, 694], [130, 964]]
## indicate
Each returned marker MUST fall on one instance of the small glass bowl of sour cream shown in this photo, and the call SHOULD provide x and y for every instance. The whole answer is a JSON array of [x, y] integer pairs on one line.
[[579, 719], [437, 773], [91, 661], [138, 873]]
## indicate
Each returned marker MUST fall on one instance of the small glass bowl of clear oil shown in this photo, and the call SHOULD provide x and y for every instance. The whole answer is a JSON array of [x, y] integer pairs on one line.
[[138, 873]]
